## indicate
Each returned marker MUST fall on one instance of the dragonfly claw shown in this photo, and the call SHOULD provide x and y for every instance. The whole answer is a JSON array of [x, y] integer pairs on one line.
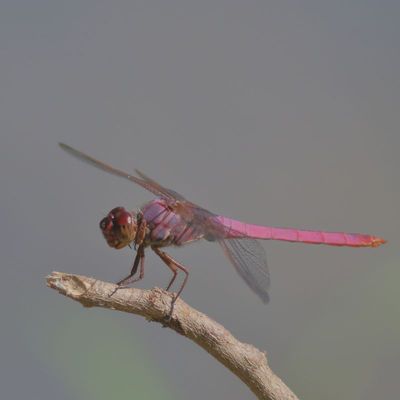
[[118, 287]]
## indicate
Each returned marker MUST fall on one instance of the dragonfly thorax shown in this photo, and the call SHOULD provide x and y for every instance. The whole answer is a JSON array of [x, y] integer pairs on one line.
[[119, 227]]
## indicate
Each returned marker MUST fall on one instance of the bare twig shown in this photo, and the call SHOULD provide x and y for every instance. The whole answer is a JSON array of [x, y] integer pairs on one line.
[[244, 360]]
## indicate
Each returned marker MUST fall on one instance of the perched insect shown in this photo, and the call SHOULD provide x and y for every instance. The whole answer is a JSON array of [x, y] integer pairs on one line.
[[171, 220]]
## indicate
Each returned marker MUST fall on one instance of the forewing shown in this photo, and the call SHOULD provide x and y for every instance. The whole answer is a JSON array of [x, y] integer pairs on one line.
[[146, 183], [250, 261], [167, 192]]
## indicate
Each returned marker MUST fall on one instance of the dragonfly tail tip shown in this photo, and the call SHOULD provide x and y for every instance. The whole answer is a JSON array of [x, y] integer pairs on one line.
[[377, 241]]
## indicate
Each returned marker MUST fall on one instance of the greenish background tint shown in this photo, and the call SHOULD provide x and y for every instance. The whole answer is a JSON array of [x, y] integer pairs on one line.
[[94, 355], [351, 341], [101, 359]]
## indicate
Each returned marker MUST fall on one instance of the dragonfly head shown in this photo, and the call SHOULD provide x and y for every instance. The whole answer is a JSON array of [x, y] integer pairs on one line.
[[119, 227]]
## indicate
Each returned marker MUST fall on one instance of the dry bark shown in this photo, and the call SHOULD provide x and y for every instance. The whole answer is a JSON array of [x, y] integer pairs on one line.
[[244, 360]]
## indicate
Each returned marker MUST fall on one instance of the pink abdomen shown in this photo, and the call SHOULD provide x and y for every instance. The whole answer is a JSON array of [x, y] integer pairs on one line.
[[237, 229]]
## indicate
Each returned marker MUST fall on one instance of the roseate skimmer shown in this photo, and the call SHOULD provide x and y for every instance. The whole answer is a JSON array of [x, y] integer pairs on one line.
[[171, 220]]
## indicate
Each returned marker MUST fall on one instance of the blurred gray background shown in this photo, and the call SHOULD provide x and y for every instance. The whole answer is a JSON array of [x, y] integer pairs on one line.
[[274, 112]]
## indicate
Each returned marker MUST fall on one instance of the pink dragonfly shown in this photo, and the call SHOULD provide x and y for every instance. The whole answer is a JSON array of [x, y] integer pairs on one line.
[[171, 220]]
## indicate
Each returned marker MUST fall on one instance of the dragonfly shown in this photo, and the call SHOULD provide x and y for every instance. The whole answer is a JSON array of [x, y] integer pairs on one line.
[[171, 220]]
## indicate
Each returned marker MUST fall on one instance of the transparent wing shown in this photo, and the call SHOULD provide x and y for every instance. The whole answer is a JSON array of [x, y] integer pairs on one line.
[[162, 189], [250, 261], [147, 183]]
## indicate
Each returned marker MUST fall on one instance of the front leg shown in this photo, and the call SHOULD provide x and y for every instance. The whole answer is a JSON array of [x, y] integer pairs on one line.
[[142, 230], [139, 261]]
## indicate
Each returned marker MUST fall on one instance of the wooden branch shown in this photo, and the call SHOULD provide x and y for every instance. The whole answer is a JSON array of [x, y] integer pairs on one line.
[[244, 360]]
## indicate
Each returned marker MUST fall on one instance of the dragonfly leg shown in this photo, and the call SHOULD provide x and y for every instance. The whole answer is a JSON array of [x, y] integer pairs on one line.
[[174, 266], [139, 261], [141, 230], [174, 270]]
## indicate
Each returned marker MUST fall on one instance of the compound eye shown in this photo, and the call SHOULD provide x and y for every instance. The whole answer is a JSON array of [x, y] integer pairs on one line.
[[116, 211], [105, 224], [124, 218]]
